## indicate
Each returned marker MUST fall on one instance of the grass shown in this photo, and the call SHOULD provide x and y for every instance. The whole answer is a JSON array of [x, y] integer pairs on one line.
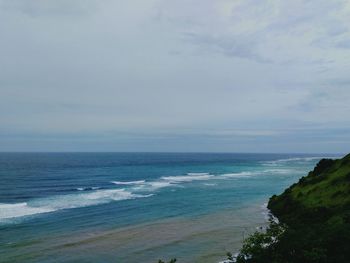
[[314, 219]]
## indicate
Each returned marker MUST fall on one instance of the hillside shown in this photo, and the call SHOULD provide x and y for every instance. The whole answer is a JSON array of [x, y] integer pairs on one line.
[[322, 195], [314, 220]]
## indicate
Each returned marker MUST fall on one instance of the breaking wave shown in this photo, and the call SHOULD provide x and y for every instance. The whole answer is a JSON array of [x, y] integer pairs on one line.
[[55, 203], [297, 159], [89, 196], [188, 178], [128, 182]]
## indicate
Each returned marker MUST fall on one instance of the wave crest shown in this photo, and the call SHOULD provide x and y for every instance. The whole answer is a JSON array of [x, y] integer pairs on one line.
[[55, 203], [187, 178], [128, 182]]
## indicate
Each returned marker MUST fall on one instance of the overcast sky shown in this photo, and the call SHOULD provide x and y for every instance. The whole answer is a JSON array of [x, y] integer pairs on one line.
[[184, 75]]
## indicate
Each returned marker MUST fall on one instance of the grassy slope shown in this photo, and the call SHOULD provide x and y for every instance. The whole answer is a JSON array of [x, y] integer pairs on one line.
[[316, 211], [314, 217], [323, 194]]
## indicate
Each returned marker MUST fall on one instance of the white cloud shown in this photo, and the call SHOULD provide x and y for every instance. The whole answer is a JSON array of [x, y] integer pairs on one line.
[[48, 7], [232, 68]]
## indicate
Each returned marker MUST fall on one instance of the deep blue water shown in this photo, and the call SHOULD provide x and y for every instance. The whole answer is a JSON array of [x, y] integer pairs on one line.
[[48, 196]]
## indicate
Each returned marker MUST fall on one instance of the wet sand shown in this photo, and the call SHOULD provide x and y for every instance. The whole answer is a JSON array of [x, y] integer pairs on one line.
[[203, 239]]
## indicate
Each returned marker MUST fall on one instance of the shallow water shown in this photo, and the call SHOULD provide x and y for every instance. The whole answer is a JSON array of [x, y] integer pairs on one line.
[[128, 207]]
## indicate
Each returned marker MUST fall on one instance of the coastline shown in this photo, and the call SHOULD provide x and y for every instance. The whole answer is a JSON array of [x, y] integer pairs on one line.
[[205, 210], [205, 238], [310, 220]]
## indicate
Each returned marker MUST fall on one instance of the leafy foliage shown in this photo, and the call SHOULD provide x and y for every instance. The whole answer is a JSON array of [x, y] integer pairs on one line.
[[315, 220]]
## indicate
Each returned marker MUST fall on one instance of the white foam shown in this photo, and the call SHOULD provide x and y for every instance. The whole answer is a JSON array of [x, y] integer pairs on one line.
[[234, 256], [238, 175], [128, 182], [177, 180], [267, 214], [20, 209], [300, 159], [150, 186], [280, 171], [87, 188], [159, 184], [271, 163], [187, 178], [171, 181], [277, 170], [197, 174], [54, 203]]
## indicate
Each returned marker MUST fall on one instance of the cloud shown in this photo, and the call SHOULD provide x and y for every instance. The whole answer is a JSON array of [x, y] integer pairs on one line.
[[262, 31], [240, 47], [49, 7], [345, 43], [231, 75]]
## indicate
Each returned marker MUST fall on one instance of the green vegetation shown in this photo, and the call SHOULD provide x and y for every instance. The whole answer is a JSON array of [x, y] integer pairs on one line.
[[314, 220]]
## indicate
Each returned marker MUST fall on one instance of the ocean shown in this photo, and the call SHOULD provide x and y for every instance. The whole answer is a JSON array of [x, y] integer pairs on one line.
[[137, 207]]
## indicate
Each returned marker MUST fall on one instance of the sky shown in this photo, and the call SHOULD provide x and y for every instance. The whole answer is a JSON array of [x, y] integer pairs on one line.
[[183, 76]]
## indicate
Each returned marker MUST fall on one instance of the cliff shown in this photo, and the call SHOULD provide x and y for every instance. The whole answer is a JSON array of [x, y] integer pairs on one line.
[[314, 220]]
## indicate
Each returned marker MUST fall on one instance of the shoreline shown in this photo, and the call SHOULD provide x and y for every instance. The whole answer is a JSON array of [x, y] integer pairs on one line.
[[205, 238]]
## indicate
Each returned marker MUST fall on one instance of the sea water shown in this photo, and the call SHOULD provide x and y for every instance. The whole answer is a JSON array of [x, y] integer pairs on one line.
[[136, 207]]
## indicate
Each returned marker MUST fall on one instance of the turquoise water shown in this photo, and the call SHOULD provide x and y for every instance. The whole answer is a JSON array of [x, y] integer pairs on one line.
[[127, 207]]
